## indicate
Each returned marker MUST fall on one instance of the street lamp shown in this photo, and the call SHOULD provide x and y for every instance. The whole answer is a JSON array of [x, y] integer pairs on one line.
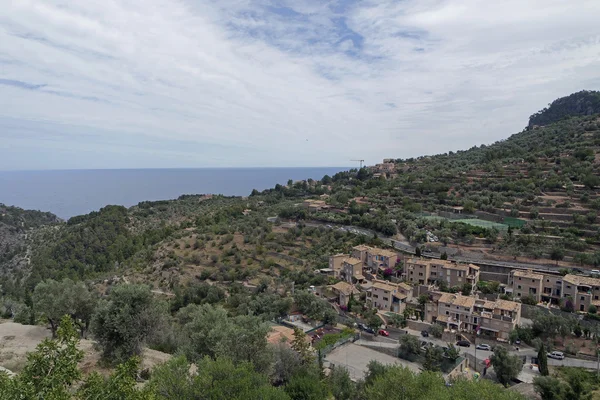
[[477, 332]]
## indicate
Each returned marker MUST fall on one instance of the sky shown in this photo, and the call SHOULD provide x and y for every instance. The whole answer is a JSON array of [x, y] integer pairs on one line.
[[260, 83]]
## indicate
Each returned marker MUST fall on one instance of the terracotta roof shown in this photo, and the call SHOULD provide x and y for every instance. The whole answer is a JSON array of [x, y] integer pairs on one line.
[[581, 280], [474, 266], [442, 317], [361, 247], [382, 252], [404, 286], [345, 288], [400, 296], [464, 301], [447, 298], [384, 286], [352, 261], [527, 274], [280, 334], [507, 305]]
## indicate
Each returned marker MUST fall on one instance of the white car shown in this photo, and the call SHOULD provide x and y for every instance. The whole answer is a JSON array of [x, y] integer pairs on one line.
[[486, 347], [557, 355]]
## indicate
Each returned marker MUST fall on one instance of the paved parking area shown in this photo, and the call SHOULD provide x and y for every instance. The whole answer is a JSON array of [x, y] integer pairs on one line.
[[356, 358]]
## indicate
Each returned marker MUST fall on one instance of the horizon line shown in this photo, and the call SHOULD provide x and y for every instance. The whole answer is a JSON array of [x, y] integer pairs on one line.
[[166, 168]]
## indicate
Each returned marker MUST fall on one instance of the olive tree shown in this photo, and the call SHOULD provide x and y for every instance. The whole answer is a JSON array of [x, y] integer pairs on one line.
[[126, 320], [55, 299]]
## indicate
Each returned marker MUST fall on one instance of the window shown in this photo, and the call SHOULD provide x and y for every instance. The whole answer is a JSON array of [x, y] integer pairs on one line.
[[385, 299], [533, 281], [447, 312], [433, 273], [519, 278], [568, 286], [420, 274], [519, 287], [582, 298], [595, 297]]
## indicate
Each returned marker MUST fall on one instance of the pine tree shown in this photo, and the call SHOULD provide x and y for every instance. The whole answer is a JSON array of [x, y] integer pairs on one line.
[[543, 361], [301, 345]]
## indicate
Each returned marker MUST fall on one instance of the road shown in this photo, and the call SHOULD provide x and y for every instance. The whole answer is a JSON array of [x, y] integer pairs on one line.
[[481, 355], [407, 247]]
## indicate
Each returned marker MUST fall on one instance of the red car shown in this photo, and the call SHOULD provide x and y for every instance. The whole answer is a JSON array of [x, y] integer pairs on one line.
[[383, 332]]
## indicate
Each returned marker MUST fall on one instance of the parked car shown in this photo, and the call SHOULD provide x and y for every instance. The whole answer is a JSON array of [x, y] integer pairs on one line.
[[557, 355], [424, 333], [463, 343], [383, 332], [517, 341], [369, 330], [482, 346], [362, 326]]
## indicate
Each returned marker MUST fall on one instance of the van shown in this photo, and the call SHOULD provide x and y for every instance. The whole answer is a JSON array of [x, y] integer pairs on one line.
[[557, 355], [595, 272]]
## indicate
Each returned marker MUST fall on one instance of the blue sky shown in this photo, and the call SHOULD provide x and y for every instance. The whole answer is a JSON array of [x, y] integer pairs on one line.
[[231, 83]]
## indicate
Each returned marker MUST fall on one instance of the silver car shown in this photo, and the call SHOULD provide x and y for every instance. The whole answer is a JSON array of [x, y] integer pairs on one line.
[[482, 346], [557, 355]]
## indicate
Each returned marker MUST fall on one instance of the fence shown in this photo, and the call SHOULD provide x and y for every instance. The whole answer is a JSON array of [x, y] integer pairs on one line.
[[328, 349]]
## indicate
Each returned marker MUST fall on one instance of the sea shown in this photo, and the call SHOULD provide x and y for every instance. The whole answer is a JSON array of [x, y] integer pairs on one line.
[[67, 193]]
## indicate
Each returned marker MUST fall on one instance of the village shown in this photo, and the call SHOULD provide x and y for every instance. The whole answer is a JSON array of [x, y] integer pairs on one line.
[[440, 304]]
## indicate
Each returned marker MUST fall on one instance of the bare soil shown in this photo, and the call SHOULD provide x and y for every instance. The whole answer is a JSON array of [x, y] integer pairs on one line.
[[17, 340]]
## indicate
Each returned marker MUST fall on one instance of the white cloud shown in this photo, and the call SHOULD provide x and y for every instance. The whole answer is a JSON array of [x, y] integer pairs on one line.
[[136, 83]]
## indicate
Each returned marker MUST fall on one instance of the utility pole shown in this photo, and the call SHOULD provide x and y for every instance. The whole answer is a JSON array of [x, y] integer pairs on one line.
[[598, 366]]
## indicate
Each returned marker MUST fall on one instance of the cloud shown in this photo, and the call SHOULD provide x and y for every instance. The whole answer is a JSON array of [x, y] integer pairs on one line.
[[187, 83]]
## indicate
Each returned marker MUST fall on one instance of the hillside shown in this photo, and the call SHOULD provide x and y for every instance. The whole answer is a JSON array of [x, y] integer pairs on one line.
[[581, 103], [533, 195]]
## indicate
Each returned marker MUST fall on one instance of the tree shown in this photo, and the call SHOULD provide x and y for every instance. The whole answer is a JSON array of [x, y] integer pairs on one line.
[[557, 254], [56, 299], [120, 385], [423, 299], [433, 358], [397, 320], [409, 346], [436, 330], [506, 366], [374, 322], [417, 252], [286, 363], [123, 322], [375, 370], [567, 305], [213, 333], [51, 373], [466, 289], [50, 370], [444, 256], [306, 385], [529, 299], [301, 345], [591, 181], [592, 309], [453, 352], [543, 360], [549, 388], [342, 387], [214, 379]]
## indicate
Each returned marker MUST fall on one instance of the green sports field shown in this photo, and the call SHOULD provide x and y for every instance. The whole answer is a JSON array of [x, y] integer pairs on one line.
[[483, 223]]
